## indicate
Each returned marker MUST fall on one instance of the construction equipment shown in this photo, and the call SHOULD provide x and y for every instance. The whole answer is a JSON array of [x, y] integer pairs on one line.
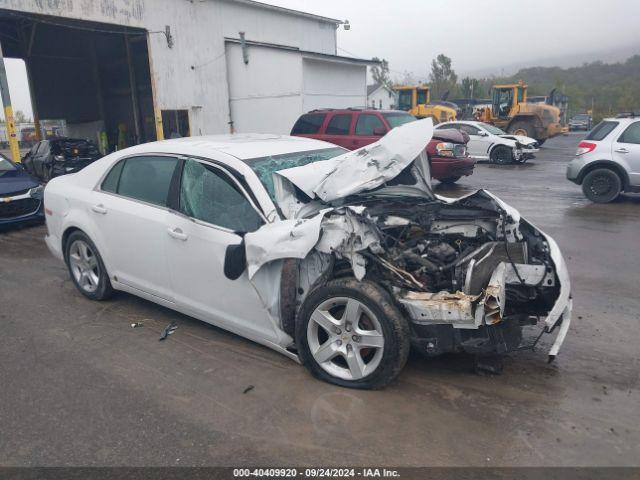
[[417, 101], [510, 111]]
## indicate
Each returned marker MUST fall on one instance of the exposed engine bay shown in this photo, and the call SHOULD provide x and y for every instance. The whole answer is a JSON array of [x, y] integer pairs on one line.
[[462, 267]]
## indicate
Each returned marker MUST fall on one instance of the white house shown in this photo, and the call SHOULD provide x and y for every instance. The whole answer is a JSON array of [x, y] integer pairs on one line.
[[381, 97], [146, 69]]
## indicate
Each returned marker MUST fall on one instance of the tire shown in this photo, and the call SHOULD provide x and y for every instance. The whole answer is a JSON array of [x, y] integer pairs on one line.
[[522, 128], [86, 267], [602, 185], [449, 180], [346, 362], [541, 142], [501, 155]]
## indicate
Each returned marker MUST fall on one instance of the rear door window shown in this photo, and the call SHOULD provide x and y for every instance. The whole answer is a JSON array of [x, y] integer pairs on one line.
[[601, 130], [631, 134], [470, 129], [308, 124], [208, 194], [146, 178], [367, 123], [339, 125]]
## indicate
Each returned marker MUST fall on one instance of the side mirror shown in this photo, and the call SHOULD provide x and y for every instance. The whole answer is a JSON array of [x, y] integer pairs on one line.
[[380, 131], [20, 167], [482, 134], [235, 261]]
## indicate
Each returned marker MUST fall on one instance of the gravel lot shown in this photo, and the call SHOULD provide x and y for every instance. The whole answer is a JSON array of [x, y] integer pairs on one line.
[[79, 386]]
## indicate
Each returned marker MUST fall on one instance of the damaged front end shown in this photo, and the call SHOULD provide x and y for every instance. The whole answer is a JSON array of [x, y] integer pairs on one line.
[[469, 274]]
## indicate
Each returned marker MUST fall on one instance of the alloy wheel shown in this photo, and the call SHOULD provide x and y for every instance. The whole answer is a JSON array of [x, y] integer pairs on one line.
[[345, 338], [84, 266]]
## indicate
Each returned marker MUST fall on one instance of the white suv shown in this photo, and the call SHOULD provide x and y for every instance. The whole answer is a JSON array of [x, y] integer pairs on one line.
[[608, 159]]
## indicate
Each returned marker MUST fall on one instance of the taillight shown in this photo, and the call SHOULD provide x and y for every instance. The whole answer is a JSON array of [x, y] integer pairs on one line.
[[585, 147]]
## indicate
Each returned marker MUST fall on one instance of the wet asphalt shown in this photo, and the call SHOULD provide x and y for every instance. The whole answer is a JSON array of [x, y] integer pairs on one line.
[[79, 386]]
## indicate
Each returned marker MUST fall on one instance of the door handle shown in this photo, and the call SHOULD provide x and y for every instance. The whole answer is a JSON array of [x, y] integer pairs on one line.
[[622, 150], [99, 209], [177, 233]]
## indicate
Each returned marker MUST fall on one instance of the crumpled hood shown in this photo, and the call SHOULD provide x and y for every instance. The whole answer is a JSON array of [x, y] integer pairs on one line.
[[364, 169], [520, 138], [451, 135]]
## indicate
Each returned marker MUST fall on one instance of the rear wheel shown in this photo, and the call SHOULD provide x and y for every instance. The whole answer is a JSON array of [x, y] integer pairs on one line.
[[501, 155], [602, 185], [86, 267], [449, 180], [351, 334]]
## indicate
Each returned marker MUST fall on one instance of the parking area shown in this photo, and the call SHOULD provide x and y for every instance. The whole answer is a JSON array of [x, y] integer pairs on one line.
[[80, 386]]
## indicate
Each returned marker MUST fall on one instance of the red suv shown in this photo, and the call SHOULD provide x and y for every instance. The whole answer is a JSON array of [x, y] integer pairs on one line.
[[354, 128]]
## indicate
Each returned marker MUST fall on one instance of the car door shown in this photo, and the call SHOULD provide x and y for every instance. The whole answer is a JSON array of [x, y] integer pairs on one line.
[[369, 128], [40, 158], [626, 152], [213, 213], [27, 160], [479, 141], [338, 130], [131, 216]]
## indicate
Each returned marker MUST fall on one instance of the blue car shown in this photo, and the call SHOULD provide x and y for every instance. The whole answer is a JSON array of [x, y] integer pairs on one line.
[[21, 195]]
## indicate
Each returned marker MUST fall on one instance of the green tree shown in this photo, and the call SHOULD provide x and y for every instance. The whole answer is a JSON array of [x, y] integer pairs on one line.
[[470, 88], [380, 73], [20, 117], [442, 77]]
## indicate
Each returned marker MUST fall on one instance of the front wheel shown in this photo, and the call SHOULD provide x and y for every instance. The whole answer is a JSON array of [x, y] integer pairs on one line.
[[351, 334], [449, 180], [601, 185], [501, 155]]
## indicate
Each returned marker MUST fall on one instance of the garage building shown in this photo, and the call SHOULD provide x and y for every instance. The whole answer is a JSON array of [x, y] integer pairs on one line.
[[139, 70]]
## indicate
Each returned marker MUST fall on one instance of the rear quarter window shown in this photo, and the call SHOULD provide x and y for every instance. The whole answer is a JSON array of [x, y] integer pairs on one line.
[[308, 124], [601, 130]]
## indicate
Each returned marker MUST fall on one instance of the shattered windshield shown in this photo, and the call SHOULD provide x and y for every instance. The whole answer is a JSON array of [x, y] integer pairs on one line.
[[265, 167]]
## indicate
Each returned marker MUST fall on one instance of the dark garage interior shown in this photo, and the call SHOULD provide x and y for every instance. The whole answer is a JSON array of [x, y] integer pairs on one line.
[[94, 76]]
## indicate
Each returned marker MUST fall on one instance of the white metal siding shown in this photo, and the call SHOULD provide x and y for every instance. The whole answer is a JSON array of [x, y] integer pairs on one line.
[[331, 84], [266, 93]]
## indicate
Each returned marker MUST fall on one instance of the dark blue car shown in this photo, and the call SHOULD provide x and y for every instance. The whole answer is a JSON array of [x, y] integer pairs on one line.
[[21, 195]]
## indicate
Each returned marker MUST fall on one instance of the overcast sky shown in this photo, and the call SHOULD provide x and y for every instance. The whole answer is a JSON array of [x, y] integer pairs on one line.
[[483, 37]]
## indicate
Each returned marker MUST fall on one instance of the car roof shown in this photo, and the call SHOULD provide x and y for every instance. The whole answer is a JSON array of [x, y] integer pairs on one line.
[[243, 146], [352, 110]]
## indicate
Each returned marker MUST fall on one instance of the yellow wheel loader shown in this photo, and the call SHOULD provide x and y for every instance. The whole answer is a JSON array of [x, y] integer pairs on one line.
[[510, 111], [417, 101]]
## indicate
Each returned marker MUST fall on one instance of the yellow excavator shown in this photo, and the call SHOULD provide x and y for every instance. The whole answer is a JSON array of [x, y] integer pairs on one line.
[[417, 101], [510, 111]]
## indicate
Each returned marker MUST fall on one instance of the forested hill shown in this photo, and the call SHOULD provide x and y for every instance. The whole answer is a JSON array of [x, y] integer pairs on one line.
[[612, 88]]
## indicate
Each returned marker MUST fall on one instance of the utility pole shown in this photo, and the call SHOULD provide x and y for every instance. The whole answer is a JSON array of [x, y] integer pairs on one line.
[[8, 111]]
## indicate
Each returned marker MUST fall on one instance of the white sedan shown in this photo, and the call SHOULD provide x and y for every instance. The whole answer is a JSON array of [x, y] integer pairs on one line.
[[341, 260], [488, 142]]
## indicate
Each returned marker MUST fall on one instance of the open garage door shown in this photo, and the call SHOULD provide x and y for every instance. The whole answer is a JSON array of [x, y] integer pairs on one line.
[[93, 77]]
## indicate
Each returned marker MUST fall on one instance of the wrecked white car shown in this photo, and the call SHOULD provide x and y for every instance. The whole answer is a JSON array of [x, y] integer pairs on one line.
[[342, 260]]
